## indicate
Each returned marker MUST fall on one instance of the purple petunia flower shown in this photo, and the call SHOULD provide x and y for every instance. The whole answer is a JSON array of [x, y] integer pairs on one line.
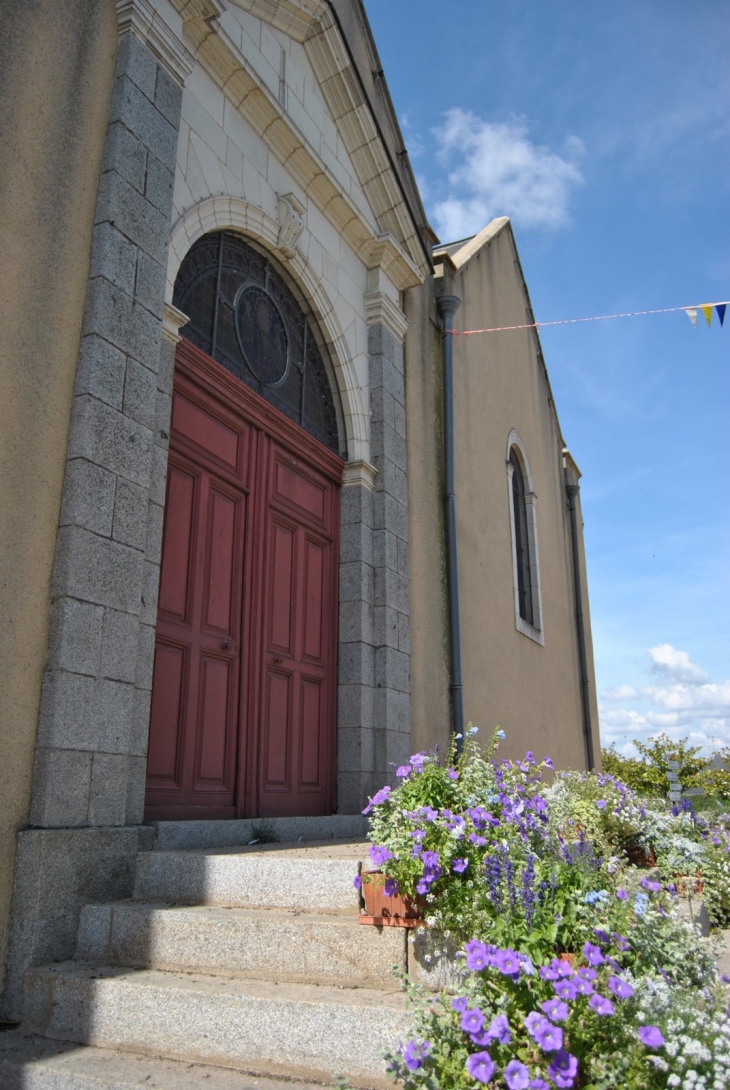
[[416, 851], [419, 834], [415, 1053], [548, 1036], [547, 761], [621, 894], [555, 1009], [480, 841], [600, 1004], [379, 855], [653, 887], [566, 989], [583, 986], [602, 936], [452, 773], [357, 881], [430, 859], [480, 1066], [516, 1075], [390, 888], [460, 1003], [601, 804], [539, 1084], [403, 771], [476, 955], [650, 1036], [593, 954], [472, 1020], [620, 988], [499, 1030], [460, 865], [418, 760], [563, 1069], [423, 886], [586, 974], [507, 962]]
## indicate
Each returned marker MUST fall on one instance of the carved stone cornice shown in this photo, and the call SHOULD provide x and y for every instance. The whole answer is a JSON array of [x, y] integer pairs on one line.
[[140, 17], [381, 308], [172, 322], [359, 472]]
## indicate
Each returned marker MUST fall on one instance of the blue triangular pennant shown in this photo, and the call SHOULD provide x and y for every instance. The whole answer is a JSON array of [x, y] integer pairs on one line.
[[720, 308]]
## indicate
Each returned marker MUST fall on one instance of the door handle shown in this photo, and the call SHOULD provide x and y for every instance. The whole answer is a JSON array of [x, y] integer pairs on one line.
[[228, 645], [277, 660]]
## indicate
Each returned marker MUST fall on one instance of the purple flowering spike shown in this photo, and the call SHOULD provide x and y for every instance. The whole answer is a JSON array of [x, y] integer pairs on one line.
[[480, 1066], [563, 1069], [620, 988], [650, 1036], [516, 1075], [472, 1020], [600, 1004]]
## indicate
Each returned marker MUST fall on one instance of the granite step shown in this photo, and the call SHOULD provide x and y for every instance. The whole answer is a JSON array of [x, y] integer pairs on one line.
[[35, 1063], [270, 944], [183, 835], [301, 1030], [314, 877]]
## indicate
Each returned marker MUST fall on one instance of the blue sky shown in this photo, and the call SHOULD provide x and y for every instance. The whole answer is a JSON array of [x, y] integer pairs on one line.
[[603, 131]]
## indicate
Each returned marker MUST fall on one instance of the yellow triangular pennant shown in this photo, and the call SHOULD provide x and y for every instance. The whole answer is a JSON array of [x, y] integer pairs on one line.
[[707, 311], [691, 313]]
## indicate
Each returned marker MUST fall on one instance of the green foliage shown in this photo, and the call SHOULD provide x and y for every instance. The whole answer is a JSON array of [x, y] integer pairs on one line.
[[647, 774]]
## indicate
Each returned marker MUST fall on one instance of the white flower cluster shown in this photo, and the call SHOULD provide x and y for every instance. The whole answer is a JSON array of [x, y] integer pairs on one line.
[[696, 1055]]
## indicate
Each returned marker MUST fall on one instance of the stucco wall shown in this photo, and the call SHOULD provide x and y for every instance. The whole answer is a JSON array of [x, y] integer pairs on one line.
[[56, 67], [530, 689]]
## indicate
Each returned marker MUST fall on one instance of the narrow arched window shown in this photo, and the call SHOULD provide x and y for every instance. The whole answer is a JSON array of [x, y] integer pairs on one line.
[[246, 316], [522, 542], [525, 560]]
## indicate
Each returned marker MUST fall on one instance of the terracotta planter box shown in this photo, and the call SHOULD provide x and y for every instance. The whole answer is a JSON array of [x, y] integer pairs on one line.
[[382, 911]]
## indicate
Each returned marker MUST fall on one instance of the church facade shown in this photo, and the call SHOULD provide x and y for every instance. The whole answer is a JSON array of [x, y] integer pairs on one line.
[[226, 586]]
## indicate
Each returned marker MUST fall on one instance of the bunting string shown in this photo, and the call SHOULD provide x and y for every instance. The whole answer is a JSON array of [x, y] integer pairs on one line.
[[691, 312]]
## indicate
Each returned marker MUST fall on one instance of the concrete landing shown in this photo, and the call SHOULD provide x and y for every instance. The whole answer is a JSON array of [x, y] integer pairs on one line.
[[181, 835]]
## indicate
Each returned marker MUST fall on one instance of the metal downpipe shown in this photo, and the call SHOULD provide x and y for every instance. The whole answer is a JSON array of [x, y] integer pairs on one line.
[[572, 491], [447, 308]]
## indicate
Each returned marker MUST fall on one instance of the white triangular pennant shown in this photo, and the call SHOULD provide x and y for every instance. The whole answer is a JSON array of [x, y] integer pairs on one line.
[[691, 313]]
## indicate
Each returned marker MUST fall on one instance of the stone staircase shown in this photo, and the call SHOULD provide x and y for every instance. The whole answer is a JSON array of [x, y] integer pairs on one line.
[[232, 967]]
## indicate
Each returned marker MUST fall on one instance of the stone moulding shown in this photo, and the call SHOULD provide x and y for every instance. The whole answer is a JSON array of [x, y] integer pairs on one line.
[[140, 17]]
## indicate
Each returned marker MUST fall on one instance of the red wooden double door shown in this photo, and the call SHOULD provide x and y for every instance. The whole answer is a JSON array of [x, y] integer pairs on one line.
[[244, 689]]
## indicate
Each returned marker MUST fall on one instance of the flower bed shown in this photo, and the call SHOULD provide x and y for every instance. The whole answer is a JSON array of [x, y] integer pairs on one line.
[[519, 873]]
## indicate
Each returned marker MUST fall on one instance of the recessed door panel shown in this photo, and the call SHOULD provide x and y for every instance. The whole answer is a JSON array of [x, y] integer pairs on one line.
[[243, 700], [177, 542], [163, 757], [214, 722], [277, 732]]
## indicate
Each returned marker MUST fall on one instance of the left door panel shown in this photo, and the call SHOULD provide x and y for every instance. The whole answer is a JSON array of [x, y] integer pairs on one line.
[[194, 723]]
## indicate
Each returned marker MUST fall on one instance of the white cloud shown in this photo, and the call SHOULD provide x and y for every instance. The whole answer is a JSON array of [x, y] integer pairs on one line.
[[496, 170], [687, 705], [624, 692], [676, 665]]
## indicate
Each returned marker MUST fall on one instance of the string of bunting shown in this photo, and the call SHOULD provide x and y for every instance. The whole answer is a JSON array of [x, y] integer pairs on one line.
[[691, 312]]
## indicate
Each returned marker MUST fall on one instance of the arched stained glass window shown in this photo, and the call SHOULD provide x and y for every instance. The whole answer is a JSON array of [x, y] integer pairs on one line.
[[244, 315]]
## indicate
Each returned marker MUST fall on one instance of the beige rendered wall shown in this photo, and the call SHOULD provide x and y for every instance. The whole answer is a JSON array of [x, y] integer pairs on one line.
[[56, 70], [510, 680]]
